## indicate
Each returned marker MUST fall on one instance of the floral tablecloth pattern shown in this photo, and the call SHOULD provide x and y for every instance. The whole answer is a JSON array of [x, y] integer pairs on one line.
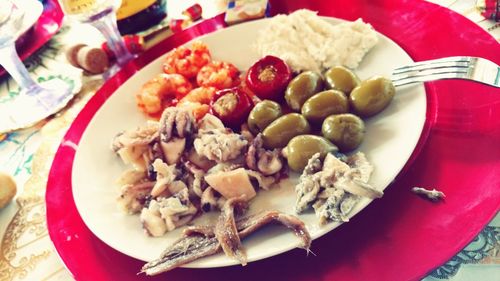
[[26, 251]]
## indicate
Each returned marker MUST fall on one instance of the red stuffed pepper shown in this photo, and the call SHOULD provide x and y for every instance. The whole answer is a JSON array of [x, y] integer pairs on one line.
[[231, 106], [268, 78]]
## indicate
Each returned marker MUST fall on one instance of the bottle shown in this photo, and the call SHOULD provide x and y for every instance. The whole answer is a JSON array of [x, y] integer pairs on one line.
[[88, 10], [134, 16]]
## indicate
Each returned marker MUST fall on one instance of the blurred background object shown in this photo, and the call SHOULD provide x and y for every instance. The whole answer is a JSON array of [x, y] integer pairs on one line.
[[8, 189], [244, 10], [37, 99], [490, 9], [134, 16], [102, 15]]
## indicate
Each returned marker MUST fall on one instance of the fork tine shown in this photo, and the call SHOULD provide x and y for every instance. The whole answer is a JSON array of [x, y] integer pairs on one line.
[[470, 68], [429, 71], [412, 68], [463, 62], [457, 59], [400, 81]]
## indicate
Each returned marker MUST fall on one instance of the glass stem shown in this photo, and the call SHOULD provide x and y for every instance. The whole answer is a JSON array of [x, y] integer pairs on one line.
[[107, 26], [14, 66]]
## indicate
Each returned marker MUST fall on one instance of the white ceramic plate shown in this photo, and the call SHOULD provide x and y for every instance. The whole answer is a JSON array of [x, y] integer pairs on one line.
[[390, 139]]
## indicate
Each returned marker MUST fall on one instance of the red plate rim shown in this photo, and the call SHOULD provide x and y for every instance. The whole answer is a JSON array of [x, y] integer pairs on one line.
[[408, 236]]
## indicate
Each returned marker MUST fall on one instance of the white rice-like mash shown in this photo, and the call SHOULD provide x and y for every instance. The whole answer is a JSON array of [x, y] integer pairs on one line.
[[307, 42]]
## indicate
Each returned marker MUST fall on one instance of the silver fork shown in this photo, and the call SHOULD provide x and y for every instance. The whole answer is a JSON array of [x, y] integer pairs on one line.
[[469, 68]]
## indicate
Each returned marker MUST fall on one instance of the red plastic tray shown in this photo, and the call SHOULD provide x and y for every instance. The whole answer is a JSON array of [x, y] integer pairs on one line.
[[398, 237]]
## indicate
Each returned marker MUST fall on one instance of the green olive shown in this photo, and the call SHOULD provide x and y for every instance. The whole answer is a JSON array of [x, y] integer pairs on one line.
[[301, 148], [324, 104], [283, 129], [302, 87], [341, 79], [371, 96], [344, 130], [262, 115]]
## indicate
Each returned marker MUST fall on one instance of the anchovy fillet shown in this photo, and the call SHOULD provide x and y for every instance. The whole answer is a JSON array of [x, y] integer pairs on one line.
[[201, 241], [227, 233], [252, 223], [186, 249]]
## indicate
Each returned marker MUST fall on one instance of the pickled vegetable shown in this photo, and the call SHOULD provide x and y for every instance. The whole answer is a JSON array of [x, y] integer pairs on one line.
[[283, 129], [262, 115], [346, 131], [231, 106], [301, 148], [268, 78], [324, 104], [372, 96], [341, 79], [301, 88]]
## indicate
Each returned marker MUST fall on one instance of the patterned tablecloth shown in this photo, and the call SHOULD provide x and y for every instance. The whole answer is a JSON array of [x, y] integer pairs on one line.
[[26, 250]]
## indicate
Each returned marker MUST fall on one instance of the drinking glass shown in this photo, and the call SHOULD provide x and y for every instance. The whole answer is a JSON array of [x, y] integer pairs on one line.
[[100, 14], [35, 101]]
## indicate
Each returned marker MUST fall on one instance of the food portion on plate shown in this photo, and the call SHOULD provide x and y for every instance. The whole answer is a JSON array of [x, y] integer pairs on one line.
[[220, 136], [183, 167], [190, 78], [202, 241], [307, 42]]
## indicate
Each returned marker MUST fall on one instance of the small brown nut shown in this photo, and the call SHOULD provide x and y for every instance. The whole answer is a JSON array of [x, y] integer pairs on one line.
[[93, 60], [72, 53], [8, 189]]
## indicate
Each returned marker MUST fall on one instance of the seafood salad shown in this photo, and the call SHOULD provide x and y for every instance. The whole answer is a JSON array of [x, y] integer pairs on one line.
[[218, 136], [183, 167]]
